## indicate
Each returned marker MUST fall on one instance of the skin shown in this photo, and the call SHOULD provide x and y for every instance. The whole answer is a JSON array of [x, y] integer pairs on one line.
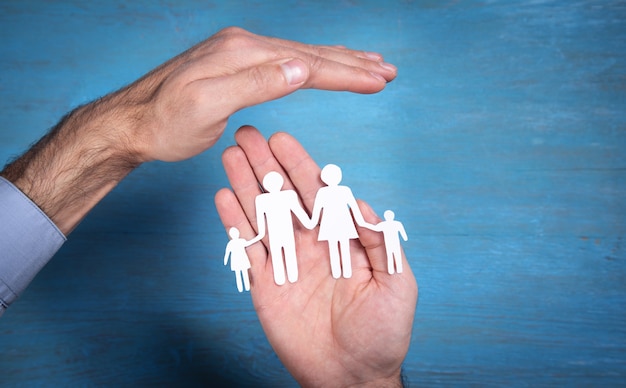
[[328, 333], [335, 332]]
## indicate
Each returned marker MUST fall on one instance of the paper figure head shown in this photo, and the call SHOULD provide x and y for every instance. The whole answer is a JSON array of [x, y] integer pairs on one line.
[[233, 233], [389, 215], [331, 175], [273, 182]]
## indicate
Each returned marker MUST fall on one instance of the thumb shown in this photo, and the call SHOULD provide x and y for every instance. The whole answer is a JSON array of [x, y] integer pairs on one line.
[[265, 82]]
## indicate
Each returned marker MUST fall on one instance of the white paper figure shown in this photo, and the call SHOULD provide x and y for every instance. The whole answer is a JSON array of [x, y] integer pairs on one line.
[[390, 229], [239, 262], [276, 207], [334, 203]]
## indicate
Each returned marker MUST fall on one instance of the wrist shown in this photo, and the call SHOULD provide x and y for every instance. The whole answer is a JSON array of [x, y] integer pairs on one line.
[[393, 381], [76, 164]]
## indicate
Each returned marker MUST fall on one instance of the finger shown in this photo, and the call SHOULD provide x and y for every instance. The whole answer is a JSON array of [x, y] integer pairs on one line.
[[313, 49], [367, 60], [259, 155], [243, 181], [232, 37], [350, 62], [362, 72], [372, 241], [257, 60], [251, 86], [302, 170], [232, 215], [326, 74]]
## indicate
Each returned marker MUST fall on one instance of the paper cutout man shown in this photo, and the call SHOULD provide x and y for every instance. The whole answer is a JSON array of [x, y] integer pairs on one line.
[[390, 229], [239, 262], [334, 203], [276, 207]]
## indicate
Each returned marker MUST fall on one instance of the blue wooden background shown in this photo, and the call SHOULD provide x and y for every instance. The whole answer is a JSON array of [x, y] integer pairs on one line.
[[501, 146]]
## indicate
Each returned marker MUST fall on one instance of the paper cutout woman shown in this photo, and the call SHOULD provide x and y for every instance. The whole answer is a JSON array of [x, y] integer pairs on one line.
[[239, 262], [391, 228], [333, 204]]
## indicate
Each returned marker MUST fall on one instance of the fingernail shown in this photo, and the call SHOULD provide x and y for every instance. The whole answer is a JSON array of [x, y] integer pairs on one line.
[[388, 66], [378, 76], [295, 71], [373, 56]]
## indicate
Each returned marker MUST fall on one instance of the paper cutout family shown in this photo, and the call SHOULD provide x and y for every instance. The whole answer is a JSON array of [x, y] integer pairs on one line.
[[334, 209]]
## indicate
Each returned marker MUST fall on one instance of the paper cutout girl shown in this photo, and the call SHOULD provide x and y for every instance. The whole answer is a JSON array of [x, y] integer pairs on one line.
[[239, 262], [391, 228], [333, 204]]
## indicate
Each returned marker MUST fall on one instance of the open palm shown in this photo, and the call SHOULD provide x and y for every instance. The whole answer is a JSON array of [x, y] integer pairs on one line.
[[327, 332]]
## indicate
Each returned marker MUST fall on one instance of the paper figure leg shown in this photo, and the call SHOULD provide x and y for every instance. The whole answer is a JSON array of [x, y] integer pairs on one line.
[[335, 267], [277, 265], [390, 266], [291, 263], [238, 277], [246, 280], [346, 261], [398, 258]]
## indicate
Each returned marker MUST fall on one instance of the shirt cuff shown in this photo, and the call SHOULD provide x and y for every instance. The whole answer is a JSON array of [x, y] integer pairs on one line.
[[28, 240]]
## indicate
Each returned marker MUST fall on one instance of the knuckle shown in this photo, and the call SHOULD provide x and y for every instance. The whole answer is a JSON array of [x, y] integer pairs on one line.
[[316, 63], [318, 51], [232, 30], [258, 77], [233, 38]]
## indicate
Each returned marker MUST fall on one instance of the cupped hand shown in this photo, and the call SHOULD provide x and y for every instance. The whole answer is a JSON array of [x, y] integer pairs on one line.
[[181, 108], [326, 331]]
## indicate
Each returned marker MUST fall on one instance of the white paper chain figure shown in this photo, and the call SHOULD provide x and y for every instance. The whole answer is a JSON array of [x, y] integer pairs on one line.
[[333, 203], [239, 262], [390, 229], [276, 207], [334, 208]]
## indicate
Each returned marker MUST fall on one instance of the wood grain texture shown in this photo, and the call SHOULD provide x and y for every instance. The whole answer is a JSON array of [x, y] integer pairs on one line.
[[501, 146]]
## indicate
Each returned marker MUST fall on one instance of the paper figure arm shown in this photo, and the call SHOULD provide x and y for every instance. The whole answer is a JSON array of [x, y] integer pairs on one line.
[[315, 214], [375, 227], [260, 220], [402, 232], [254, 240], [302, 216], [356, 212], [227, 254]]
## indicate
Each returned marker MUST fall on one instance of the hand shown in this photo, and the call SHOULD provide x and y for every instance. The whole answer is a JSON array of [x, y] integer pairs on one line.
[[327, 332], [184, 105], [177, 111]]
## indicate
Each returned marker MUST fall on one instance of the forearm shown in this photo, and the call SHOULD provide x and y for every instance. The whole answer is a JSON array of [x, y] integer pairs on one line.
[[77, 163]]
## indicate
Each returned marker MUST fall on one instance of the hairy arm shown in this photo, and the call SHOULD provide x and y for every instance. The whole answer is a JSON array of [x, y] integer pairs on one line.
[[176, 111], [69, 170]]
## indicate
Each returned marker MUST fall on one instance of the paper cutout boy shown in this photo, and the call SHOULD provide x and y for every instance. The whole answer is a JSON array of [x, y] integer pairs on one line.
[[334, 204], [239, 262], [276, 207], [390, 229]]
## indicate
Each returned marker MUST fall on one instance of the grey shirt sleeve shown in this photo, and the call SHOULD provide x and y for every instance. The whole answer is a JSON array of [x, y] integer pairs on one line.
[[28, 240]]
